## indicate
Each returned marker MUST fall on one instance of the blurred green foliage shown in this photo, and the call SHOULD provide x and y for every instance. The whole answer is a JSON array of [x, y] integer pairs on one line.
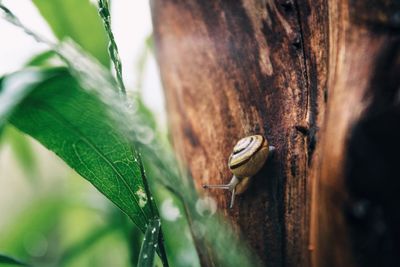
[[77, 19], [23, 151], [56, 230]]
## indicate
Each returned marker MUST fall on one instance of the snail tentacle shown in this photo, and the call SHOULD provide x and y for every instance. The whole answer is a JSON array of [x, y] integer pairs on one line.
[[230, 186], [232, 198]]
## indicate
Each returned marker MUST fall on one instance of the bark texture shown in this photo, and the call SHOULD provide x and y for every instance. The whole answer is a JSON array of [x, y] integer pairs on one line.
[[305, 74], [355, 176]]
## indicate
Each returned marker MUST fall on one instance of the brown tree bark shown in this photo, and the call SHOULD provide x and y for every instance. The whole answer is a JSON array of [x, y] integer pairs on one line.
[[302, 73], [355, 219]]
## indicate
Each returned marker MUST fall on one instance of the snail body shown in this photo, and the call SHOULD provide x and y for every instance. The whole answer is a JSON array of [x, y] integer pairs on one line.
[[247, 158]]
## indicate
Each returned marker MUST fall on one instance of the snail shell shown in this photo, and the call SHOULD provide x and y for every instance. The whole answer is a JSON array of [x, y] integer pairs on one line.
[[247, 158]]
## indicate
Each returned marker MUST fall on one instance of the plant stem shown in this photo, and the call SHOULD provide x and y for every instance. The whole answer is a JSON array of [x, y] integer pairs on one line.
[[153, 207], [163, 253], [104, 13], [10, 17]]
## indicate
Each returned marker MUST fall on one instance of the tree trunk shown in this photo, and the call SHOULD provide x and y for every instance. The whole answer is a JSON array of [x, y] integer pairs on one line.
[[355, 220], [305, 74]]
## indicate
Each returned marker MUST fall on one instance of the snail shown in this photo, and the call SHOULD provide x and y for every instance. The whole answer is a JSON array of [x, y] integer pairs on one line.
[[247, 158]]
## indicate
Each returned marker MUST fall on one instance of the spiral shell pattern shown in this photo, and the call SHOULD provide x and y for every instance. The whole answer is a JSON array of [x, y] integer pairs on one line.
[[245, 149]]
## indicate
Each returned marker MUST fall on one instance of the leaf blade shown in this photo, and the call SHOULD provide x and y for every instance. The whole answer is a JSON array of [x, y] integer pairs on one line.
[[149, 245], [74, 124], [10, 260], [13, 89]]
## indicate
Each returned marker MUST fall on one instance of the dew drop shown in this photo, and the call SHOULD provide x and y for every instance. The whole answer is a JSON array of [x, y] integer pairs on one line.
[[198, 229], [187, 257], [145, 135], [169, 211], [206, 206], [36, 244]]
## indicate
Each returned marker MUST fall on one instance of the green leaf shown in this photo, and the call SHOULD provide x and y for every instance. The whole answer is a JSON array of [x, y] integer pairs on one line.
[[149, 245], [76, 124], [46, 59], [13, 89], [77, 19], [11, 261]]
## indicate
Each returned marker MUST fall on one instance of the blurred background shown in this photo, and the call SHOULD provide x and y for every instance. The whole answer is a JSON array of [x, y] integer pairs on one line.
[[49, 215]]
